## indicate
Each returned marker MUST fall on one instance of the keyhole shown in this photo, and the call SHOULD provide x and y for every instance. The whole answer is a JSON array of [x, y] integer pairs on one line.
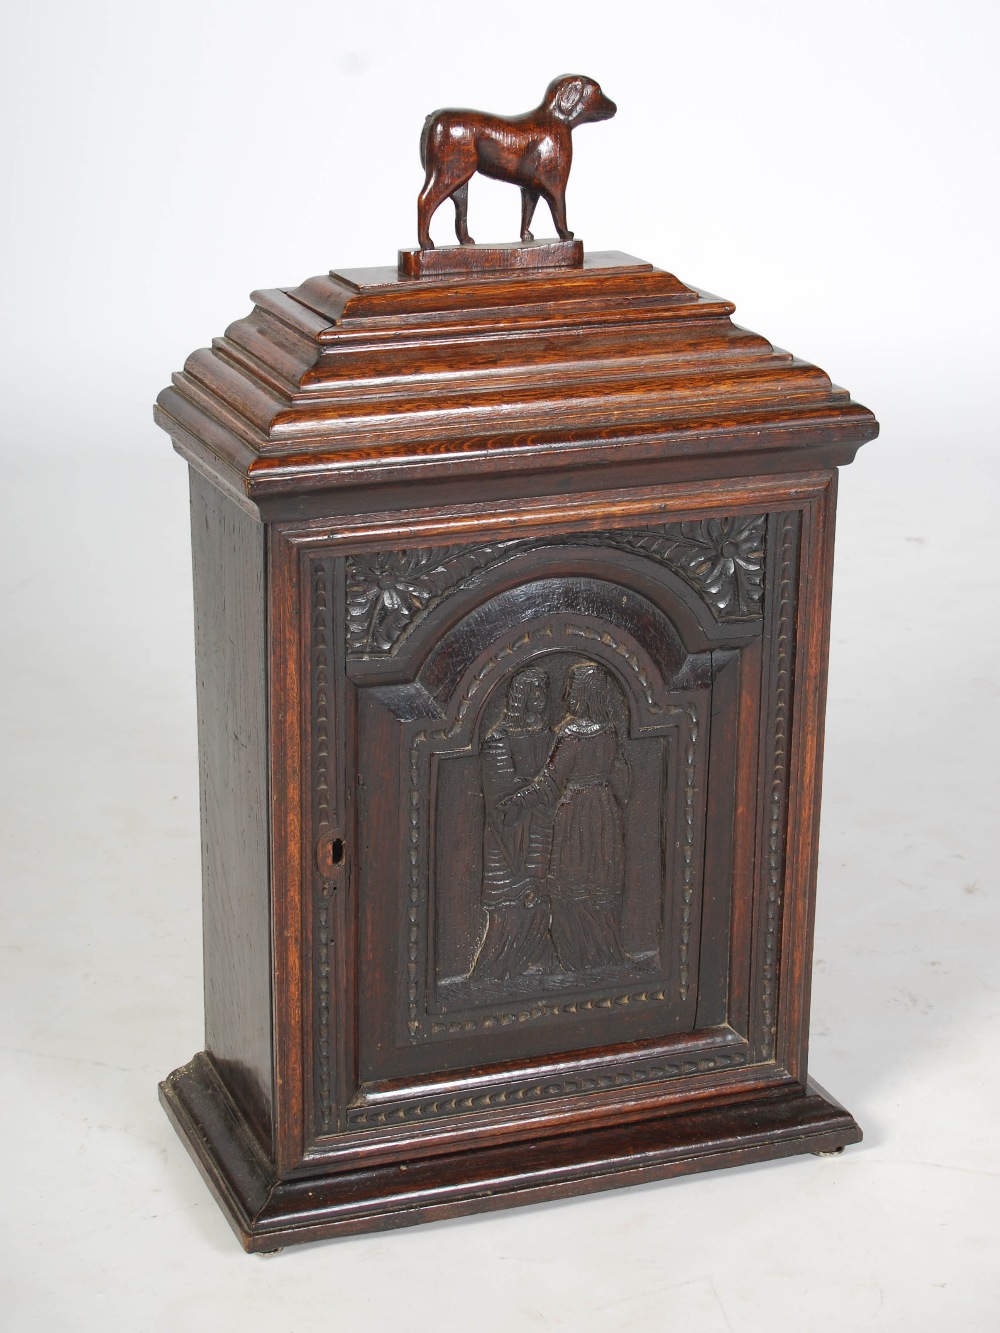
[[329, 854]]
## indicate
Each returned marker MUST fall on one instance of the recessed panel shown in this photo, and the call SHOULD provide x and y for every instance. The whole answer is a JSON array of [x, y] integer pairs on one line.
[[555, 850], [541, 815]]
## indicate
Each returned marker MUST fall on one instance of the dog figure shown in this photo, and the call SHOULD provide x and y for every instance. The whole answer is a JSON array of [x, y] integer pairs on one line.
[[534, 151]]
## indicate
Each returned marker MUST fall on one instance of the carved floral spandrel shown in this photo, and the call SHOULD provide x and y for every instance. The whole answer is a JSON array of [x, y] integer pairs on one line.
[[722, 558], [388, 592]]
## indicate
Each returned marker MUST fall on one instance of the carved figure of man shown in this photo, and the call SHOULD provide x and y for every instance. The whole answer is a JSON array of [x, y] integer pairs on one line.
[[517, 838], [584, 783]]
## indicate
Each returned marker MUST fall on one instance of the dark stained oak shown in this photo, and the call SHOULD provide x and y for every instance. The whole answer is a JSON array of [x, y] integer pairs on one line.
[[533, 151], [495, 259], [512, 604], [267, 1213], [231, 683], [614, 372]]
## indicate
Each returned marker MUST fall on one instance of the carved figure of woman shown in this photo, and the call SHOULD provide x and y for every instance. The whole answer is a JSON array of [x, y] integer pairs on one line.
[[517, 838], [585, 783]]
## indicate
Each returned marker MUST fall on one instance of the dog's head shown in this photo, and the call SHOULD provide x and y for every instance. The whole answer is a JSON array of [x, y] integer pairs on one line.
[[576, 99]]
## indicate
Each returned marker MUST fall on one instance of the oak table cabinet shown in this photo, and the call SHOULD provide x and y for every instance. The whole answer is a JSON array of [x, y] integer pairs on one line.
[[512, 610]]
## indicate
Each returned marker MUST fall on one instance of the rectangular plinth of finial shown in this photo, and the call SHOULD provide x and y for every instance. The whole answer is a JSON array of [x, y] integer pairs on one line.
[[523, 257]]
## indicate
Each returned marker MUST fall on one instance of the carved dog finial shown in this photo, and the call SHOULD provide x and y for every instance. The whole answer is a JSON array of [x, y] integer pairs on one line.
[[533, 151]]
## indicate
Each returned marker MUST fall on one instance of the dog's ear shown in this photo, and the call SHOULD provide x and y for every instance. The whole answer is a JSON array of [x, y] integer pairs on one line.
[[568, 98]]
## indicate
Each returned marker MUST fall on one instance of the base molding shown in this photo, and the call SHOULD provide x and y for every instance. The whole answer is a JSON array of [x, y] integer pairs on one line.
[[267, 1213]]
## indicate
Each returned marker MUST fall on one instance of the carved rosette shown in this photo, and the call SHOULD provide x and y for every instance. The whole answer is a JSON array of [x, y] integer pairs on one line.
[[722, 559], [389, 592]]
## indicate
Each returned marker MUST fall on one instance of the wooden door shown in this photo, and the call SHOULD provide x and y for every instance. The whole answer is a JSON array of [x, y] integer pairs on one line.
[[537, 828]]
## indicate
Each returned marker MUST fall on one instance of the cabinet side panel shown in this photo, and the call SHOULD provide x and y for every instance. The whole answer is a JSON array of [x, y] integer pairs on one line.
[[230, 645]]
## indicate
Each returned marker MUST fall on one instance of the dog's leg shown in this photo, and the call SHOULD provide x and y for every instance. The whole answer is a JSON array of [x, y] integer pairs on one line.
[[529, 199], [430, 199], [556, 200], [426, 206], [461, 198]]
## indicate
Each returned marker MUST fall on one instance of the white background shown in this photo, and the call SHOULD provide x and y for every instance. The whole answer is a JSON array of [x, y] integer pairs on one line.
[[830, 167]]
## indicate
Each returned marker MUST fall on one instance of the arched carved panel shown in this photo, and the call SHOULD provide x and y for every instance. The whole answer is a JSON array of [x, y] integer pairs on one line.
[[545, 775], [554, 882]]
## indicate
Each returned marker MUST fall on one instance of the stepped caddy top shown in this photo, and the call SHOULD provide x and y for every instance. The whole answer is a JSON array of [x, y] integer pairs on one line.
[[469, 365]]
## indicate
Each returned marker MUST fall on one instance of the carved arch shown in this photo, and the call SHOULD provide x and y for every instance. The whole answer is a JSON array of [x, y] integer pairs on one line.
[[396, 599], [588, 611]]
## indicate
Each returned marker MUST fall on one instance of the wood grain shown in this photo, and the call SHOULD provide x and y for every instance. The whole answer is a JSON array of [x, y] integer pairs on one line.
[[533, 151], [518, 385], [528, 256], [267, 1214], [416, 502], [231, 676]]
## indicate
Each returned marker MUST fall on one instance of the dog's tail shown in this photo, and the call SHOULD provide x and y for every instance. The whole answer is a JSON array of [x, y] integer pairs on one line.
[[425, 135]]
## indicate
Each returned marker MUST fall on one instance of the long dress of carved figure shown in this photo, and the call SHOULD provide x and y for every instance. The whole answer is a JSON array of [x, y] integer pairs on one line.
[[587, 777], [516, 838]]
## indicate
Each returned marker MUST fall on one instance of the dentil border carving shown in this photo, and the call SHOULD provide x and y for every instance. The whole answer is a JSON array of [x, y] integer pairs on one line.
[[778, 788], [322, 676]]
